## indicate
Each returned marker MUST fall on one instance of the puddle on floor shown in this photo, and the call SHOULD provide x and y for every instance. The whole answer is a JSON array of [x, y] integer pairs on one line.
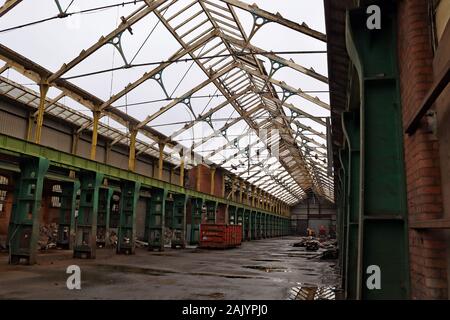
[[267, 268], [306, 291], [214, 295], [266, 260]]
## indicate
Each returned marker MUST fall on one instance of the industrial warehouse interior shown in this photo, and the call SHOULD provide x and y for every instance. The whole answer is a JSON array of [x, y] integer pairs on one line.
[[246, 150]]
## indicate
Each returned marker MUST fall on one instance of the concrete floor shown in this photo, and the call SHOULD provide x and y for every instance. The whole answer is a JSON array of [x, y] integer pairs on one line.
[[263, 269]]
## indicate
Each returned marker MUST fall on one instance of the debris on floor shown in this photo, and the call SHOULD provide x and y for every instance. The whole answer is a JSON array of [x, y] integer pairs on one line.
[[312, 245], [330, 254], [47, 236], [141, 244], [312, 292], [113, 238]]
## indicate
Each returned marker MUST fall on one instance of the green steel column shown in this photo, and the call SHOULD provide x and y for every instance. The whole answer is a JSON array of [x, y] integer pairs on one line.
[[66, 222], [248, 225], [383, 231], [196, 219], [253, 224], [240, 220], [86, 232], [154, 222], [179, 221], [351, 128], [104, 214], [23, 230], [169, 211], [232, 218], [342, 232], [211, 209], [264, 225], [127, 225]]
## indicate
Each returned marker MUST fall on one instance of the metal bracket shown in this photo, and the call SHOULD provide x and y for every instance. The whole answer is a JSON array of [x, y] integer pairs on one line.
[[187, 102], [117, 43], [287, 94], [258, 22], [275, 66], [158, 78], [208, 120]]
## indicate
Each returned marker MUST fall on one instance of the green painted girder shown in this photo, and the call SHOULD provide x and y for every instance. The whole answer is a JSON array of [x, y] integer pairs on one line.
[[66, 221], [23, 231], [127, 226], [383, 230], [104, 214], [13, 146], [86, 232], [155, 218]]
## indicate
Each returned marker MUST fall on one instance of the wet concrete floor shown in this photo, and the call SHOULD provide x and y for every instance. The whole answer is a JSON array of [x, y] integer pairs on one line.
[[263, 269]]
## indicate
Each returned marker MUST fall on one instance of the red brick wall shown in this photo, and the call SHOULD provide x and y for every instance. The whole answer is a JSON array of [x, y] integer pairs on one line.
[[428, 262], [205, 180], [5, 216]]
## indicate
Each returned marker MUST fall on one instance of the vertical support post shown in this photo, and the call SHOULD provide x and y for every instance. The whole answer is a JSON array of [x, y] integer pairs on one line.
[[43, 89], [179, 221], [211, 208], [86, 232], [66, 221], [95, 121], [248, 225], [23, 230], [382, 224], [253, 194], [198, 177], [196, 219], [132, 153], [182, 161], [103, 215], [155, 219], [161, 160], [213, 179], [223, 184], [30, 124], [240, 219], [241, 191], [127, 225], [232, 210]]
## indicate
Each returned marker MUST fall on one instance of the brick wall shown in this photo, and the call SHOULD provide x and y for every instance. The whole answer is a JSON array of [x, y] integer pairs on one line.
[[428, 263]]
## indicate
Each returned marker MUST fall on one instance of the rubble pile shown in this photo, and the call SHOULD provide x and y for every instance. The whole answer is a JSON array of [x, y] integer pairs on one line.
[[48, 235], [168, 234], [329, 246]]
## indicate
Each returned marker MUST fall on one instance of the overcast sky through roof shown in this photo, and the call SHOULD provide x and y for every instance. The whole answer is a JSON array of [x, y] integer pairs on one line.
[[55, 42]]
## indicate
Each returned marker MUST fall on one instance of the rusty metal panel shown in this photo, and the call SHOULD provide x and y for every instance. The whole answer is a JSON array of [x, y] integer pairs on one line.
[[12, 125], [143, 168], [118, 160], [84, 148], [56, 139]]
